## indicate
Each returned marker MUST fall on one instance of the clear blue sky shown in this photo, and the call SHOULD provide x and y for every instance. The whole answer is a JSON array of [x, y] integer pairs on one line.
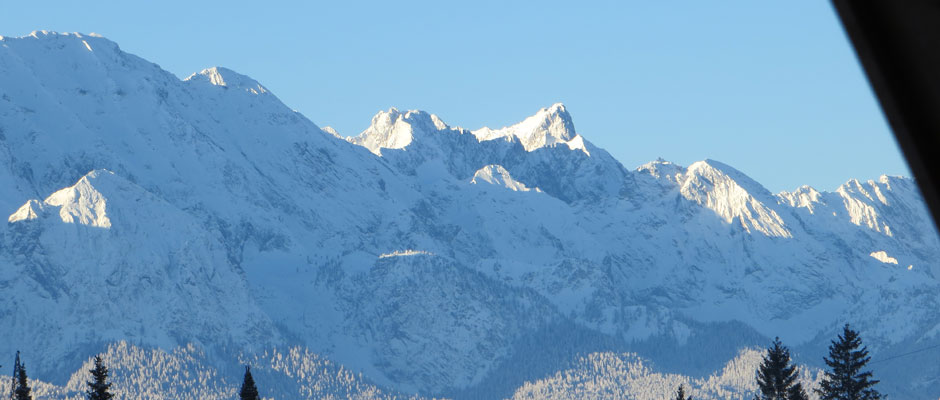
[[772, 88]]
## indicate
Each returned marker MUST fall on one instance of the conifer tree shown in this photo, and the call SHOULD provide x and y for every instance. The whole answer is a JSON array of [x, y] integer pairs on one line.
[[98, 387], [776, 378], [845, 379], [21, 391], [13, 379], [680, 394], [249, 391]]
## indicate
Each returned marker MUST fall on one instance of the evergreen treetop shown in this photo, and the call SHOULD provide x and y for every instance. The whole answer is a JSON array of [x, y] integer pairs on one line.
[[680, 394], [98, 387], [776, 378], [13, 378], [249, 391], [845, 379], [22, 391]]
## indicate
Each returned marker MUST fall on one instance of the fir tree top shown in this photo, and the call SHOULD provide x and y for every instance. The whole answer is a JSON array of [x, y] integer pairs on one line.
[[98, 387], [845, 379], [22, 391], [680, 394], [249, 391], [776, 378], [16, 372]]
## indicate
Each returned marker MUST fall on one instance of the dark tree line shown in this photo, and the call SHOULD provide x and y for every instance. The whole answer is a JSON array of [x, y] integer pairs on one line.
[[845, 379]]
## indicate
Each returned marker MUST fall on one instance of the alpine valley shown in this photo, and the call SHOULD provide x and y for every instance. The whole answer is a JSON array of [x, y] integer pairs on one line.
[[184, 228]]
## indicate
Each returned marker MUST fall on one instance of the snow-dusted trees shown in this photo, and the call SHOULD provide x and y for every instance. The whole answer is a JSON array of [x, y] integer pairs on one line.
[[249, 391], [98, 387], [845, 379], [776, 378]]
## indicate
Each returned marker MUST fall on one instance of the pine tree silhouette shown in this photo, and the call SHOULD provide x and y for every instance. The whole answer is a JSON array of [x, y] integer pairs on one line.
[[249, 390], [845, 379], [16, 372], [21, 391], [98, 387], [776, 378], [680, 394]]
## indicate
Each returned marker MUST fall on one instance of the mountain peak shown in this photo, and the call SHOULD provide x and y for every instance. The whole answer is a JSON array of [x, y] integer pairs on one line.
[[715, 168], [548, 127], [394, 129], [732, 195], [498, 176], [331, 131], [803, 197], [220, 76], [98, 199], [557, 109], [80, 203], [57, 42], [660, 167], [45, 34]]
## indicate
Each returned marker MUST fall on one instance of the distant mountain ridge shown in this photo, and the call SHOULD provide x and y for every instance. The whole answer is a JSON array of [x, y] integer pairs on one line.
[[205, 214]]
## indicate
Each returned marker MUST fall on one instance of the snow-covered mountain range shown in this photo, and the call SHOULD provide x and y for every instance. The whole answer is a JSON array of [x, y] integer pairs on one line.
[[205, 220]]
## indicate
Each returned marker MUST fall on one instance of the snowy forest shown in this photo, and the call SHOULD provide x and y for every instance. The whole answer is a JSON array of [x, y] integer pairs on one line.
[[156, 375]]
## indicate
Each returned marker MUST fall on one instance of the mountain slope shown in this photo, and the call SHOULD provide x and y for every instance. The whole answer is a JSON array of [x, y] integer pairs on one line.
[[92, 264]]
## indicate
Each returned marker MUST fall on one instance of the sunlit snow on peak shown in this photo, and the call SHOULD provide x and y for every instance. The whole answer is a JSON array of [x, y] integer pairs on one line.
[[53, 35], [405, 253], [804, 197], [81, 203], [332, 132], [733, 196], [499, 176], [28, 211], [883, 257], [394, 129], [662, 169], [548, 127], [220, 76]]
